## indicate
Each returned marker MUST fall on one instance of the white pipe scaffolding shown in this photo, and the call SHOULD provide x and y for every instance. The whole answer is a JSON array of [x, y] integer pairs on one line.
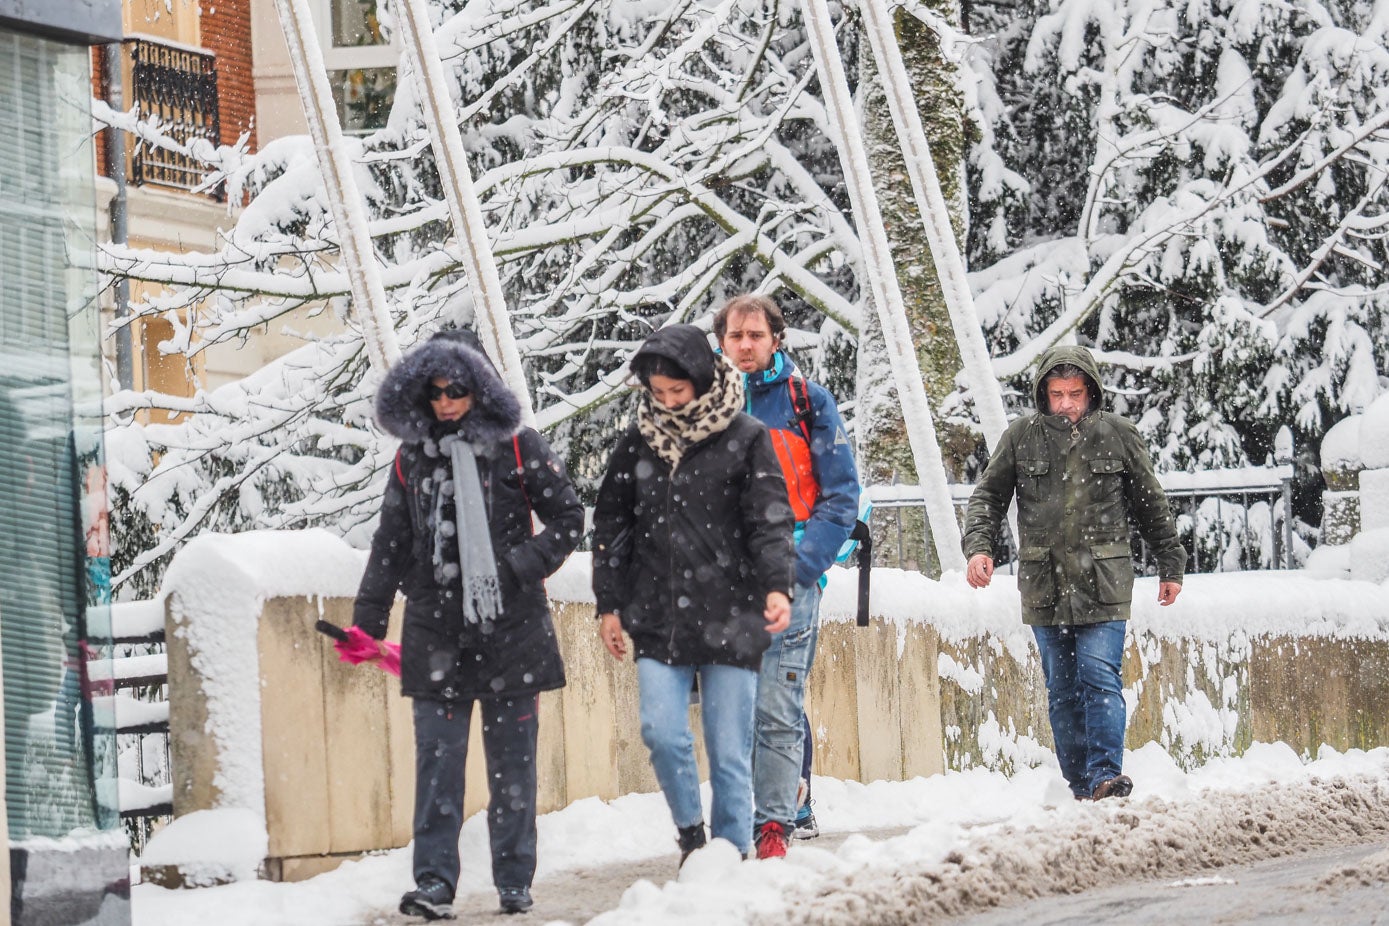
[[492, 317], [344, 198], [935, 215], [887, 294], [930, 201]]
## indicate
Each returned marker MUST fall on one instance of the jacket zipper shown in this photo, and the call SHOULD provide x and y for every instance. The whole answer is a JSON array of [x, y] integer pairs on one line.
[[670, 524]]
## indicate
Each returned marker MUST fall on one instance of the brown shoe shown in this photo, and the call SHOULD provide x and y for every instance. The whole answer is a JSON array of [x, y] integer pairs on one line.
[[1118, 786]]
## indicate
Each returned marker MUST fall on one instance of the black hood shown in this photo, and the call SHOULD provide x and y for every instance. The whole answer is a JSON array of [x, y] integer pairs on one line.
[[685, 346], [403, 409]]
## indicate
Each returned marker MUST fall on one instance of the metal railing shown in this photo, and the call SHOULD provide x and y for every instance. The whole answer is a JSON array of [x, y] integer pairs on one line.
[[177, 86], [1229, 520], [137, 711]]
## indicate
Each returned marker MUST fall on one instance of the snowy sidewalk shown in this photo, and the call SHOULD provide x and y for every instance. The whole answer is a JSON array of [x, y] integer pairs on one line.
[[1344, 886], [579, 895], [967, 840]]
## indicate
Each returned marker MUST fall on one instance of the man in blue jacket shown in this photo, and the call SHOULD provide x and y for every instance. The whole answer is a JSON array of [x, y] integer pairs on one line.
[[822, 482]]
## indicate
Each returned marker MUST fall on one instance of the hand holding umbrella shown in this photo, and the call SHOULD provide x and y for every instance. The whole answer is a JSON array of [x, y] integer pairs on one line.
[[355, 646]]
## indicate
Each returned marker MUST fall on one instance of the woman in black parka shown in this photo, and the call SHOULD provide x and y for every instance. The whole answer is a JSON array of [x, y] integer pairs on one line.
[[456, 537], [693, 557]]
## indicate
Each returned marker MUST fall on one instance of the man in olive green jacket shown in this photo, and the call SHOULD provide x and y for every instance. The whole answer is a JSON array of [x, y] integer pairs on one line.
[[1079, 474]]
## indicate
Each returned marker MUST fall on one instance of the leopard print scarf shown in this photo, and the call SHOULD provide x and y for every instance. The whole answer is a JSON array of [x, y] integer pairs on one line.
[[669, 433]]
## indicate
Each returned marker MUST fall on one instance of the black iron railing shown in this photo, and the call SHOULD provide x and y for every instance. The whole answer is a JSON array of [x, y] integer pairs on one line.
[[178, 87]]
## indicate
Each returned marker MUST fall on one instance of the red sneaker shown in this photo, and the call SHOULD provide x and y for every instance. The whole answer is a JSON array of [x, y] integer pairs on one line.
[[771, 840]]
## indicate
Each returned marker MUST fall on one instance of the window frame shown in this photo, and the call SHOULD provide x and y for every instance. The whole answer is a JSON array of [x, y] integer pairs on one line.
[[352, 57]]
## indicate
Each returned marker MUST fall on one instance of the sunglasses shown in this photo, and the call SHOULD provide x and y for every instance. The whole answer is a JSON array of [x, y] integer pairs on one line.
[[452, 390]]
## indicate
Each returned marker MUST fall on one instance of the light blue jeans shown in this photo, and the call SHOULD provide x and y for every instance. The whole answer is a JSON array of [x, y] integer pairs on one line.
[[726, 697], [780, 743], [1085, 700]]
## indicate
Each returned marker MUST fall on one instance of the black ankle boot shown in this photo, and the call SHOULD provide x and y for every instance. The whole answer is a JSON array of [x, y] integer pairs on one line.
[[690, 838]]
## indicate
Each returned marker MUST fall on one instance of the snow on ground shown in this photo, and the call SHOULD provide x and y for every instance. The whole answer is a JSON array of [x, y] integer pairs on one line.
[[975, 838]]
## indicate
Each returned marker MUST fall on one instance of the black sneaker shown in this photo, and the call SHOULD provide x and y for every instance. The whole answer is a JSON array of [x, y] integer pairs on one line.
[[690, 839], [805, 826], [1118, 786], [515, 899], [432, 900]]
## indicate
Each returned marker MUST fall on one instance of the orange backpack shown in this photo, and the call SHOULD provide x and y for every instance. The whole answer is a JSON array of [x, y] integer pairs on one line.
[[792, 448]]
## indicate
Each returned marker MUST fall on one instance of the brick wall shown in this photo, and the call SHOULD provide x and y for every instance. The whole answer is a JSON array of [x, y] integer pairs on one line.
[[225, 29], [99, 92]]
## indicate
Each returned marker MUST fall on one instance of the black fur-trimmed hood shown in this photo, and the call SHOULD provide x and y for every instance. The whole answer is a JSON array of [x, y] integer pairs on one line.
[[403, 410]]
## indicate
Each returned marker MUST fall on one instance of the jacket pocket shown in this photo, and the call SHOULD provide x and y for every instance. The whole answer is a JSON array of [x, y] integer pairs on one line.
[[1036, 578], [1032, 482], [1113, 572], [1106, 473]]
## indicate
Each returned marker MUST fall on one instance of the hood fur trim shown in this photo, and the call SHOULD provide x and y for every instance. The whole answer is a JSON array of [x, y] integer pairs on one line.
[[403, 410]]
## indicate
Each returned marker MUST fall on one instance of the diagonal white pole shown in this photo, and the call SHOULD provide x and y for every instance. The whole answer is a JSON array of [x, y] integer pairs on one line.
[[935, 214], [493, 320], [887, 293], [930, 201], [344, 198]]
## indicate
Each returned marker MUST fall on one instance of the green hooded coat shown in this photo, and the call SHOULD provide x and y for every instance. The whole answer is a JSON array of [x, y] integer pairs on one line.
[[1077, 486]]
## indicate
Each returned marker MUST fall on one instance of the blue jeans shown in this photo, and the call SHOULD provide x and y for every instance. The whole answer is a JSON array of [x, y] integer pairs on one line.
[[781, 743], [1085, 700], [726, 697]]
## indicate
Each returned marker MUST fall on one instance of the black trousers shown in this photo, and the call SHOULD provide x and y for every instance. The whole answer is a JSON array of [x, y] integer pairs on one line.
[[509, 728]]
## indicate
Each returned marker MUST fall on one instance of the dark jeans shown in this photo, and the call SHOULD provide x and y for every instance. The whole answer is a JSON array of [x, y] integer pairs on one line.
[[509, 728], [1085, 700]]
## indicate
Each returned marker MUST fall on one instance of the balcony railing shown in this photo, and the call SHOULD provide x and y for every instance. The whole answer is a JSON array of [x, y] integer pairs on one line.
[[178, 86]]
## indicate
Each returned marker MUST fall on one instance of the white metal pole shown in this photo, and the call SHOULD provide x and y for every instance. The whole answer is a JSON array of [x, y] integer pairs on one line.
[[930, 201], [493, 319], [935, 214], [344, 198], [887, 294]]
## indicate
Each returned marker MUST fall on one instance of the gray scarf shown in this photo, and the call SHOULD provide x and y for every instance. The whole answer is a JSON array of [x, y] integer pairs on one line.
[[482, 597]]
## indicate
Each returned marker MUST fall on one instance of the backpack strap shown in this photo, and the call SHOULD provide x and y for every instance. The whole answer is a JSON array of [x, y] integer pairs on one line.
[[400, 470], [800, 404], [864, 536], [521, 472]]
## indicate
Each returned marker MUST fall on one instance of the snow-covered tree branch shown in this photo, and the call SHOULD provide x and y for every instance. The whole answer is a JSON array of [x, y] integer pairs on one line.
[[1196, 190]]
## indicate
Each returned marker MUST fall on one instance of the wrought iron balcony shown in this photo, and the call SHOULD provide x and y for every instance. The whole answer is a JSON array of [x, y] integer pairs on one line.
[[178, 86]]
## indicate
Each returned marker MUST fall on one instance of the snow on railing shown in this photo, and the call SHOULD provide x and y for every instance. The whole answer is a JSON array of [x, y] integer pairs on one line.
[[137, 621], [1230, 519], [1251, 479], [137, 711]]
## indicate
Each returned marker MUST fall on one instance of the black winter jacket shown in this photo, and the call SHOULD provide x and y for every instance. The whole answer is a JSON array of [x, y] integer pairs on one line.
[[442, 658], [686, 559]]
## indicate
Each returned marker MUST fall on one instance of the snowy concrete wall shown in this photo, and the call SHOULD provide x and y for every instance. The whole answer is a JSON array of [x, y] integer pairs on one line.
[[1196, 698], [337, 752], [264, 717], [1241, 657]]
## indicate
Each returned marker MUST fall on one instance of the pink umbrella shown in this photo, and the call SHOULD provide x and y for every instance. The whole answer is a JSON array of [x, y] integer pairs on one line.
[[355, 646]]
